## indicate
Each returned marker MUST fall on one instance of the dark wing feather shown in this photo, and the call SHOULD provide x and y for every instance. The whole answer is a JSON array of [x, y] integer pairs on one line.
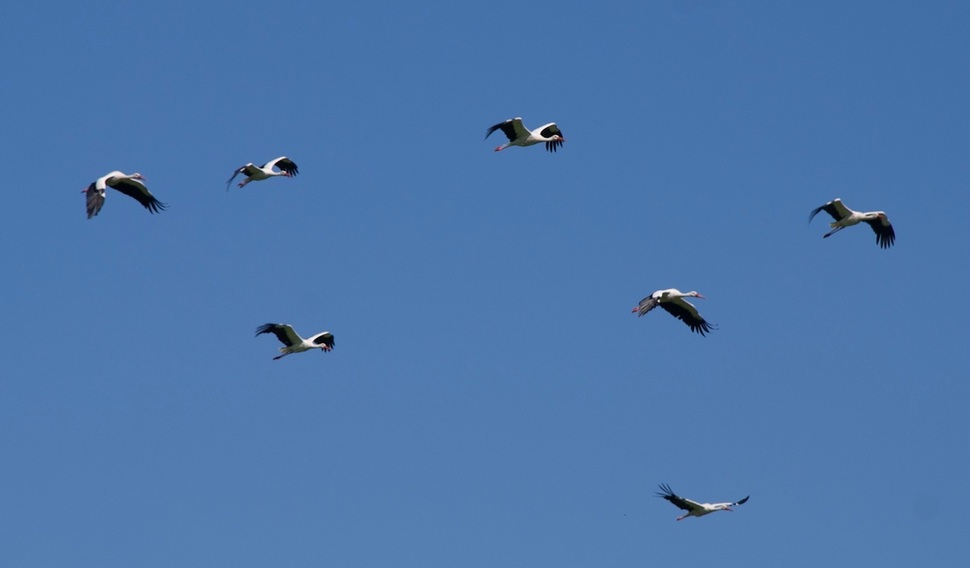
[[512, 128], [138, 191], [325, 339], [674, 498], [646, 305], [743, 501], [289, 166], [240, 170], [687, 313], [506, 127], [828, 208], [281, 331], [832, 208], [95, 200], [885, 235], [550, 131]]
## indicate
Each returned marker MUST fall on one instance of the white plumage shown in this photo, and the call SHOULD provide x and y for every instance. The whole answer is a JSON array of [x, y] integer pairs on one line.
[[519, 135], [292, 342], [130, 185], [693, 508], [287, 168], [672, 300], [845, 217]]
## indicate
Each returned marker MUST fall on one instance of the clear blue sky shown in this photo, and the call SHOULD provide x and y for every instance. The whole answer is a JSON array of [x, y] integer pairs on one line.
[[491, 400]]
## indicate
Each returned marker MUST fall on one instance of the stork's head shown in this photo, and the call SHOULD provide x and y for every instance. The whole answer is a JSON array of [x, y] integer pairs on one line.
[[695, 294], [137, 175]]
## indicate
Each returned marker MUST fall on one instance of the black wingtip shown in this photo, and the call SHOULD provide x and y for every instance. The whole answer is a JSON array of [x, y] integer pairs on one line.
[[813, 214], [703, 328]]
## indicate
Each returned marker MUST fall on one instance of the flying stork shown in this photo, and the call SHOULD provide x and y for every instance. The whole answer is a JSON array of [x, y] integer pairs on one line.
[[519, 135], [292, 342], [845, 217], [287, 168], [693, 508], [130, 185], [673, 301]]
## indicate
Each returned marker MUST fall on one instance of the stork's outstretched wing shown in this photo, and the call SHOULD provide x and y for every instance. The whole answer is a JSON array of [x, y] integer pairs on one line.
[[687, 313], [685, 504], [833, 208], [136, 189], [282, 331]]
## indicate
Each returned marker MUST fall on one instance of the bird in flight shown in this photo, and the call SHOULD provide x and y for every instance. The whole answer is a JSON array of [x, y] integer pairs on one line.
[[693, 508], [519, 135], [292, 342], [845, 217], [130, 185], [287, 168], [672, 300]]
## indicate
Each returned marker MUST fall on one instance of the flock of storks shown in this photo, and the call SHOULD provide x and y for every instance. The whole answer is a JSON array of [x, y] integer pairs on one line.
[[671, 300]]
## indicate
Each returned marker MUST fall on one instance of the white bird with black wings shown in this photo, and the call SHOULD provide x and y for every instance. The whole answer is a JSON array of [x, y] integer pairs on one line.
[[519, 135], [130, 185], [287, 168], [693, 508], [845, 217], [292, 342], [672, 300]]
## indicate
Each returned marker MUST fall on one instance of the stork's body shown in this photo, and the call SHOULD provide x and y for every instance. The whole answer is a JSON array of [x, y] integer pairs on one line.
[[287, 168], [693, 508], [519, 135], [292, 342], [845, 217], [130, 185], [673, 302]]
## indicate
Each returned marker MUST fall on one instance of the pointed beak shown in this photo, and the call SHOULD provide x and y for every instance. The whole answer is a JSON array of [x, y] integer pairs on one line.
[[636, 309], [701, 297]]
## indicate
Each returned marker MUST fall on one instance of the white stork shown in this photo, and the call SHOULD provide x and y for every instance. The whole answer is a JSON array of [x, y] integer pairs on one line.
[[845, 217], [693, 508], [130, 185], [673, 301], [287, 168], [519, 135], [292, 342]]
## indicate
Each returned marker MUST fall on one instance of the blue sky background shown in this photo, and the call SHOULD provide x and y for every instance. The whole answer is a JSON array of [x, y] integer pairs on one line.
[[491, 400]]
